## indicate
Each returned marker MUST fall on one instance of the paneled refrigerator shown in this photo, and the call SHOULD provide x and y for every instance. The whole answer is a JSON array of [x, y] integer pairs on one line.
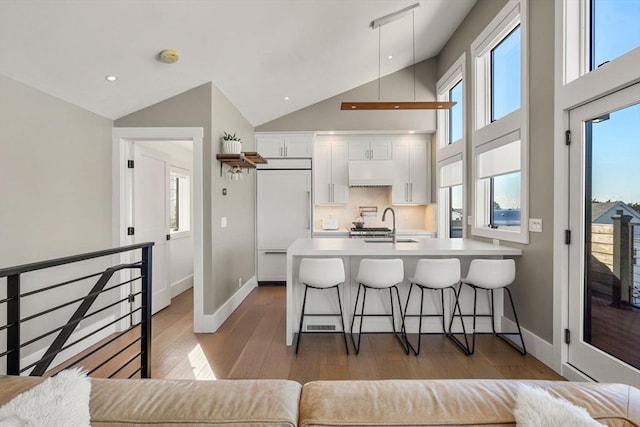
[[283, 214]]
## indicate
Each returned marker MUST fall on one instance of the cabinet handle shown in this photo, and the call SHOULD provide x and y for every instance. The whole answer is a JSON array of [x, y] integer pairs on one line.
[[285, 151], [333, 193], [309, 210], [274, 252], [280, 152], [329, 193], [406, 192]]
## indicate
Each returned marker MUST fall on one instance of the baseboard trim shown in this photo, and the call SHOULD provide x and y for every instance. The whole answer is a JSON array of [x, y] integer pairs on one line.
[[573, 374], [536, 346], [210, 323], [77, 348], [181, 286]]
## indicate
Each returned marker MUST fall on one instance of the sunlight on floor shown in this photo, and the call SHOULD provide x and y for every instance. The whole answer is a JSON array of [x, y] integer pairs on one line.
[[200, 365]]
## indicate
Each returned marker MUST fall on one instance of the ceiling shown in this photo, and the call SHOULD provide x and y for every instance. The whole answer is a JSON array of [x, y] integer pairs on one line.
[[257, 52]]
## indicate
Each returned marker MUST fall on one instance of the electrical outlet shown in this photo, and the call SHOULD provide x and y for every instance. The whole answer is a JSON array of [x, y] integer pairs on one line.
[[239, 282], [535, 225], [223, 222]]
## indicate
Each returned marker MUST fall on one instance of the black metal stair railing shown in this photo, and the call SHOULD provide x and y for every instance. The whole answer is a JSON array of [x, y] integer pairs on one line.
[[14, 319]]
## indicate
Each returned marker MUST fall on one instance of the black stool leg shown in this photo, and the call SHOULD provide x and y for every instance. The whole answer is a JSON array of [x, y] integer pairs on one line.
[[475, 308], [464, 347], [344, 331], [304, 302], [364, 297], [522, 351], [402, 338]]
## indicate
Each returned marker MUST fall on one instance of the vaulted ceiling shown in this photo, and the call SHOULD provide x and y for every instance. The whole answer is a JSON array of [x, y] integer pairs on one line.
[[256, 51]]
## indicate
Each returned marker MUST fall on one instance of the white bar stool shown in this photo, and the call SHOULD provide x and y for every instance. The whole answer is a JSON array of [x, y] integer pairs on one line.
[[321, 273], [436, 275], [488, 275], [379, 274]]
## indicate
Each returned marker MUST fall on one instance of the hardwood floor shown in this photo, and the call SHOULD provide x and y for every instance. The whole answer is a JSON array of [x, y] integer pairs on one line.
[[251, 344]]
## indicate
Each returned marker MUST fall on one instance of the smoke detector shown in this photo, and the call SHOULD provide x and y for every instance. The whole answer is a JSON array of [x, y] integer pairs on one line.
[[169, 56]]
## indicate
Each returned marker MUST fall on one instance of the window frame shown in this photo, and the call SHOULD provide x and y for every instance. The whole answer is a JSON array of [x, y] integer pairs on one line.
[[447, 152], [487, 134]]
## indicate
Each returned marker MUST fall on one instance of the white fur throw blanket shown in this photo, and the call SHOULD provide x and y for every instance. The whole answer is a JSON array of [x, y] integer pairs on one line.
[[535, 407], [62, 400]]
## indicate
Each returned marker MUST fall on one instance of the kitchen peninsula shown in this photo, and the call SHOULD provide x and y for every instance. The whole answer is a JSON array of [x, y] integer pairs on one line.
[[352, 251]]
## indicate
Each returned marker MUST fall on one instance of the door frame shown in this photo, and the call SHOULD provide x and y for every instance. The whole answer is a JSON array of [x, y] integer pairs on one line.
[[122, 180]]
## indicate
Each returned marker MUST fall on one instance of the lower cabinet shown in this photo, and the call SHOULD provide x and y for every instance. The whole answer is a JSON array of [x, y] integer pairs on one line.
[[272, 266]]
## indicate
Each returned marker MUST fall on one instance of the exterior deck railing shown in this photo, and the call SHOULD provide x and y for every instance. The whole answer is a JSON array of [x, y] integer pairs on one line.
[[138, 314]]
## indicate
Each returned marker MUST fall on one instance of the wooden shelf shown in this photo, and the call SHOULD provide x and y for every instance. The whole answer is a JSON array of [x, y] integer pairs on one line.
[[247, 160]]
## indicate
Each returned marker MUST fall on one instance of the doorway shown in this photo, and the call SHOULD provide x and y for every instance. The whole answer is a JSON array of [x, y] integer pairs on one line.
[[604, 217], [124, 203]]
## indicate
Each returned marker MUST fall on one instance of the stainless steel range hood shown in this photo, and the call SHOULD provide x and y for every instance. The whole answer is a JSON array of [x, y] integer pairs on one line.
[[370, 173]]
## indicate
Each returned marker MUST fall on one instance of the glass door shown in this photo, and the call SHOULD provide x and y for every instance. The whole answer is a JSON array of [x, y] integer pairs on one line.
[[604, 270]]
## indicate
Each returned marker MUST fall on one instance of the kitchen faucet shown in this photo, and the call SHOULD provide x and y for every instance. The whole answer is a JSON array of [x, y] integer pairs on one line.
[[393, 232]]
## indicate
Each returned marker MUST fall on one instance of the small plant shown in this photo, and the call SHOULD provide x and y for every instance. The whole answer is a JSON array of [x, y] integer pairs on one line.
[[228, 137]]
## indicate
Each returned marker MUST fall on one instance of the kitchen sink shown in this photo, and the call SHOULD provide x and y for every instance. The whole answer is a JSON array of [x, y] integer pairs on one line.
[[389, 241]]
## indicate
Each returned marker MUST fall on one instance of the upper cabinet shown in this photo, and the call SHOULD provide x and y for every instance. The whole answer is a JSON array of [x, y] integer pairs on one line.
[[370, 149], [412, 171], [285, 145], [330, 171]]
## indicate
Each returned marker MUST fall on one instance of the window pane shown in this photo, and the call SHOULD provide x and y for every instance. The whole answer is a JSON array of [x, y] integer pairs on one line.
[[615, 29], [455, 115], [505, 200], [456, 213], [505, 76], [173, 203]]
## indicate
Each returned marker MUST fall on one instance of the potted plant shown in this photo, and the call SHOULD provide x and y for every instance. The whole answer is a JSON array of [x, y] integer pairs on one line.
[[231, 144]]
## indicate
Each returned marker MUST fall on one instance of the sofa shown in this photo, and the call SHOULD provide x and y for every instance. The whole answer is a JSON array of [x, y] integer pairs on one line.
[[332, 403]]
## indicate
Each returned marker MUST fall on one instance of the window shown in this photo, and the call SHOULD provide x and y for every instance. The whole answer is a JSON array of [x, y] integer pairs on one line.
[[505, 76], [451, 152], [179, 201], [456, 211], [607, 41], [499, 143], [455, 114]]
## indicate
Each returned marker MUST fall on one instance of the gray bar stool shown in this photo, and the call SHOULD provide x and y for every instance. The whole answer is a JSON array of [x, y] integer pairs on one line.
[[379, 274], [436, 275], [488, 275], [321, 273]]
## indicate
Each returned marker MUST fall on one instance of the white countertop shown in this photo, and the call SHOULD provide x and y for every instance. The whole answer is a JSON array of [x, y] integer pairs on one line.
[[423, 247]]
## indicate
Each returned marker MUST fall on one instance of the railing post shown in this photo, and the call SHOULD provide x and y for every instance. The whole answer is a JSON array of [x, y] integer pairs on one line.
[[145, 325], [622, 254], [13, 322]]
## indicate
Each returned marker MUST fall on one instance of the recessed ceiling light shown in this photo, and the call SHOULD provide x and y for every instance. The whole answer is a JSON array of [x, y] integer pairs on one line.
[[412, 131], [286, 98], [390, 57], [331, 132], [111, 78], [396, 106]]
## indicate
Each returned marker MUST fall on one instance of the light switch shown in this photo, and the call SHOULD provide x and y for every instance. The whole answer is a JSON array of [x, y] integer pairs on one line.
[[223, 222], [535, 225]]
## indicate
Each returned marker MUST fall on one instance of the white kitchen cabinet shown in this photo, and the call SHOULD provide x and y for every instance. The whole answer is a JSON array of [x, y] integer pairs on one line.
[[412, 172], [284, 145], [330, 171], [283, 214], [370, 149]]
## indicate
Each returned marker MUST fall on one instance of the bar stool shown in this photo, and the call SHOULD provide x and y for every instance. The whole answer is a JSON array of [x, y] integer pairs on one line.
[[488, 275], [321, 273], [437, 275], [379, 274]]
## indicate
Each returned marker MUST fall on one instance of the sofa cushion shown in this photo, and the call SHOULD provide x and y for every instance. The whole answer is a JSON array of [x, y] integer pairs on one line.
[[452, 402], [177, 403]]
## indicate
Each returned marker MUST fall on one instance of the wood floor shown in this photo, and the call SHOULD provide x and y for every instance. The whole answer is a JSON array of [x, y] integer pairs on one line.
[[251, 344]]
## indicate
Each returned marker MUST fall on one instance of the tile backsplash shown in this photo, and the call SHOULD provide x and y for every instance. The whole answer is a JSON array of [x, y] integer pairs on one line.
[[407, 217]]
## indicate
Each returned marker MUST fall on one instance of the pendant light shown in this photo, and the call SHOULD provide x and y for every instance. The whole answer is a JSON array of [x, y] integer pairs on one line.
[[397, 105]]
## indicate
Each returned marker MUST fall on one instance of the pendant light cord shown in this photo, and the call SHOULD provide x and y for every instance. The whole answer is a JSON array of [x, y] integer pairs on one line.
[[379, 53], [413, 24]]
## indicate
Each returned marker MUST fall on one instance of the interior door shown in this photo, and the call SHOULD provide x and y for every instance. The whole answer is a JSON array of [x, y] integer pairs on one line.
[[604, 280], [151, 222]]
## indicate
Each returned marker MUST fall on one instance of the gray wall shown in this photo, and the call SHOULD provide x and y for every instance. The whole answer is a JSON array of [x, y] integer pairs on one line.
[[326, 114], [55, 171], [533, 290], [229, 254]]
